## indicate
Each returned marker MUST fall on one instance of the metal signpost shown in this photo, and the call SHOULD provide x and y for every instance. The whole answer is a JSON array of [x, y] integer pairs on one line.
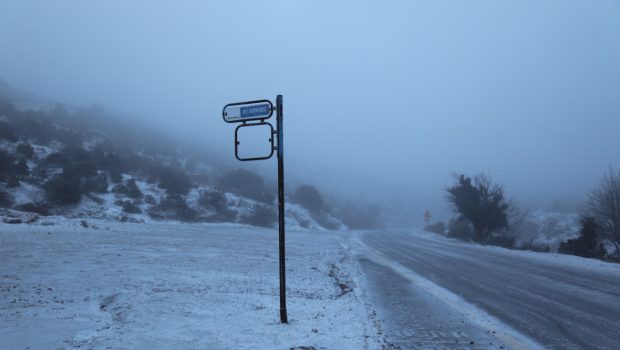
[[253, 114]]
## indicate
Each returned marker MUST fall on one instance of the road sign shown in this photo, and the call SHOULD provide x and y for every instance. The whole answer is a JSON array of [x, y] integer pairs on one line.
[[255, 135], [247, 111], [242, 112]]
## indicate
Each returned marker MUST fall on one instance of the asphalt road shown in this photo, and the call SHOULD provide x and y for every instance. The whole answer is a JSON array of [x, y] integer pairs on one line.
[[559, 302]]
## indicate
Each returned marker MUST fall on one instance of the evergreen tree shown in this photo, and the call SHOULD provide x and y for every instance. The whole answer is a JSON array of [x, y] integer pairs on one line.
[[481, 203], [586, 245]]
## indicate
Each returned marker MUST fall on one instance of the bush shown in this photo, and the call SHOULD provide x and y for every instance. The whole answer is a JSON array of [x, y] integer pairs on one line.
[[246, 184], [25, 150], [5, 199], [309, 197], [6, 133], [97, 184], [439, 228], [586, 245], [21, 168], [149, 199], [116, 177], [261, 215], [128, 207], [173, 207], [11, 181], [460, 228], [120, 189], [604, 207], [81, 164], [63, 189], [132, 189], [215, 201], [57, 159], [40, 208], [175, 181], [8, 165]]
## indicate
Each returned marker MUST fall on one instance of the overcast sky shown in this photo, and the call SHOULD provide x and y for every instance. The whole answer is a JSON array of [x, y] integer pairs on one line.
[[382, 98]]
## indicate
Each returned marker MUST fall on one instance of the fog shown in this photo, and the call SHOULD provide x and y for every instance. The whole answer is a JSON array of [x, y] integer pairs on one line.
[[383, 100]]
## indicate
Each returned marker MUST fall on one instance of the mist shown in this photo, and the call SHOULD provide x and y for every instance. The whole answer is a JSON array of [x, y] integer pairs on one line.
[[383, 101]]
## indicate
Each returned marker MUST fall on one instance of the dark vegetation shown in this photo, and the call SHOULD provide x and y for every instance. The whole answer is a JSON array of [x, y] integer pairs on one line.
[[482, 211], [483, 215], [586, 245], [217, 205], [261, 215], [604, 207], [173, 207], [90, 150]]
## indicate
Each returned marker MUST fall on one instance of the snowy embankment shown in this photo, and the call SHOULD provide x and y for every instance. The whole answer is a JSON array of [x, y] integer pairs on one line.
[[175, 286]]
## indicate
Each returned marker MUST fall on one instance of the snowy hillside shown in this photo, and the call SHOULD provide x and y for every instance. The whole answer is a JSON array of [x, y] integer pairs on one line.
[[543, 228], [84, 163]]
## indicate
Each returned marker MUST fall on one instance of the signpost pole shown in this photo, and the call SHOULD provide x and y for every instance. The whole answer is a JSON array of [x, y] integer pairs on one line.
[[279, 114]]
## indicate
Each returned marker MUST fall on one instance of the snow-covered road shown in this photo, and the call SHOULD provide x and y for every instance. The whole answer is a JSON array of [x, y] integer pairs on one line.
[[439, 293], [175, 286]]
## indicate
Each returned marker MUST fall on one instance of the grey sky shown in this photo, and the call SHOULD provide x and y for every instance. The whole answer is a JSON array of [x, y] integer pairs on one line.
[[380, 95]]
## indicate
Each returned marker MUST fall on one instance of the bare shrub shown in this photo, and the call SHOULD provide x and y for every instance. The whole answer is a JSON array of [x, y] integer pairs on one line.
[[604, 206]]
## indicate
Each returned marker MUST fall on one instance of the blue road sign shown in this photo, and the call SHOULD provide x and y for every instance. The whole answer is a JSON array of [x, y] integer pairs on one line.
[[255, 111], [246, 111]]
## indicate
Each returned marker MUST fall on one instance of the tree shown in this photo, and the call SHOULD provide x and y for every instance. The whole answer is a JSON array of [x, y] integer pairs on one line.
[[261, 215], [482, 203], [309, 197], [215, 201], [586, 245], [64, 189], [6, 133], [175, 181], [604, 206], [25, 150], [133, 190]]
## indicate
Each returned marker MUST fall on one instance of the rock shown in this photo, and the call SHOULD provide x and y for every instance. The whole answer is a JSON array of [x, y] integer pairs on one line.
[[12, 221]]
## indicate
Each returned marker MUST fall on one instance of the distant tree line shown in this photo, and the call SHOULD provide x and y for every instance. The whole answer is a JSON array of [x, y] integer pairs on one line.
[[484, 215]]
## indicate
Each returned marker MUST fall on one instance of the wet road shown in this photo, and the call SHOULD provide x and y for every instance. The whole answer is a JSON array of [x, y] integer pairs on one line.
[[558, 301]]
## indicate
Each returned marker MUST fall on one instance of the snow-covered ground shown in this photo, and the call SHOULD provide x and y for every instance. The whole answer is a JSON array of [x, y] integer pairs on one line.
[[544, 228], [100, 284]]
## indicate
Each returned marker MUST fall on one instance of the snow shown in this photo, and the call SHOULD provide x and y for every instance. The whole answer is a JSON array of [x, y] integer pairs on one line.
[[169, 285], [546, 228], [549, 259], [27, 193]]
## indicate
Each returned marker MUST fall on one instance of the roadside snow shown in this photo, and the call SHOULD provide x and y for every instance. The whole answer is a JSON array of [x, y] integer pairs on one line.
[[550, 259], [175, 286]]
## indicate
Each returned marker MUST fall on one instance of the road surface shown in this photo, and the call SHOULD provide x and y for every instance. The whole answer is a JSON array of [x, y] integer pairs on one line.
[[439, 293]]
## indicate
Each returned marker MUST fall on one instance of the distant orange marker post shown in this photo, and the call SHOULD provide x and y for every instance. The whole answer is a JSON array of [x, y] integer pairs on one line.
[[427, 218]]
